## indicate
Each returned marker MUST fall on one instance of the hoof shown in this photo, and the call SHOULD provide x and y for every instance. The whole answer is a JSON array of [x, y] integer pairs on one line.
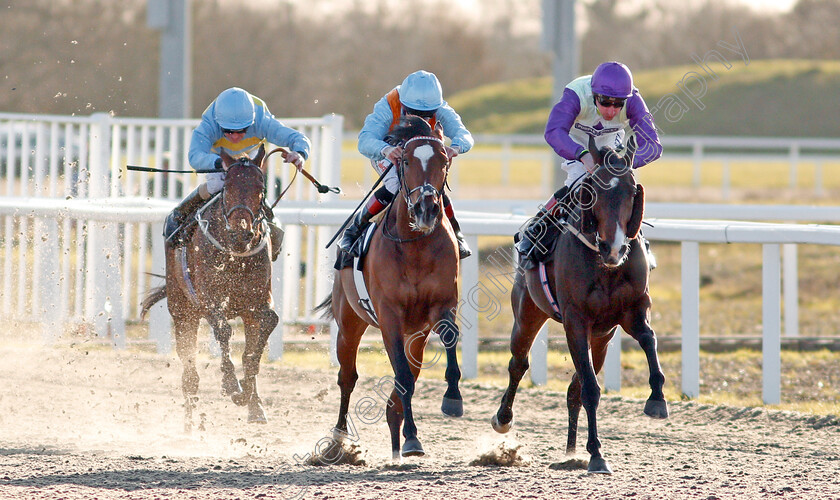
[[412, 448], [598, 466], [656, 409], [500, 427], [256, 414], [240, 399], [230, 386], [452, 407], [338, 436]]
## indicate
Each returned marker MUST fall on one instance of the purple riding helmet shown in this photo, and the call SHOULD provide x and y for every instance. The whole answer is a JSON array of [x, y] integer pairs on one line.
[[613, 79]]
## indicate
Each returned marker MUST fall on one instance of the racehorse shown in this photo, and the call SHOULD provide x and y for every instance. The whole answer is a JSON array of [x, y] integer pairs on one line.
[[597, 279], [411, 272], [223, 270]]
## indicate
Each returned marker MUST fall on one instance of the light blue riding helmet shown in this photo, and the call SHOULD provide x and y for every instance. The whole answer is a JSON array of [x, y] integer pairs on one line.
[[234, 109], [421, 90]]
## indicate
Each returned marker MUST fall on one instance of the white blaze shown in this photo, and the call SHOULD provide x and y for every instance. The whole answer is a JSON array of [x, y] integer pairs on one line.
[[618, 241], [424, 153]]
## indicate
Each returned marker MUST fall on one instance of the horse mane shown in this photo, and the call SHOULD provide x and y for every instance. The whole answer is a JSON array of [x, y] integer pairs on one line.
[[410, 126]]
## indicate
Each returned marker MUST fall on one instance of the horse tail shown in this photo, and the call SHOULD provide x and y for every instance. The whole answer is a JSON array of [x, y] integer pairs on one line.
[[325, 307], [153, 297]]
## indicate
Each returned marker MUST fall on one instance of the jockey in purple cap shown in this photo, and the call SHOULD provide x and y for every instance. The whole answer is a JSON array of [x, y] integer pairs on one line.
[[602, 105]]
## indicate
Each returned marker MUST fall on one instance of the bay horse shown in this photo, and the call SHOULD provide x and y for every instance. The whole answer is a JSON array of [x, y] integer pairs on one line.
[[597, 279], [223, 270], [411, 272]]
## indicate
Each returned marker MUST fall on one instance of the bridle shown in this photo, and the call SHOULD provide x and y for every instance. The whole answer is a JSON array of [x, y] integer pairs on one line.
[[257, 220], [423, 190]]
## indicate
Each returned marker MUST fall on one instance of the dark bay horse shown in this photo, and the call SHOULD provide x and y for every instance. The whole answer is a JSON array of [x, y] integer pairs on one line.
[[222, 271], [598, 279], [411, 272]]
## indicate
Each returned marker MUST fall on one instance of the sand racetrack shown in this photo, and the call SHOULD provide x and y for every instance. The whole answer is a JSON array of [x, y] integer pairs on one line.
[[88, 422]]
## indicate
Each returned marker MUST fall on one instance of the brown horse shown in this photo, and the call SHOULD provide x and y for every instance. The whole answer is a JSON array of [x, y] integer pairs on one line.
[[411, 272], [598, 279], [223, 271]]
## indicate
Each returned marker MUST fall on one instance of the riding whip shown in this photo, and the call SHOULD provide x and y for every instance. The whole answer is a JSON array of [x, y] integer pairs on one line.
[[163, 170]]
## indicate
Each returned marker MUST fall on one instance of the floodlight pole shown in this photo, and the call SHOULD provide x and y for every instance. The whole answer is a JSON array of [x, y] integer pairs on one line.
[[559, 39], [172, 18]]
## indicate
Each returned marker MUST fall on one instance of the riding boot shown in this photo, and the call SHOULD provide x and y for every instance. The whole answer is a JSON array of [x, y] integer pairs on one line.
[[354, 230], [380, 199], [463, 249], [275, 232], [183, 212], [542, 229]]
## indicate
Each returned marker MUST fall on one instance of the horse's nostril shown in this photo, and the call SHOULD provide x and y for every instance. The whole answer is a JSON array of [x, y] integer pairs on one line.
[[604, 247]]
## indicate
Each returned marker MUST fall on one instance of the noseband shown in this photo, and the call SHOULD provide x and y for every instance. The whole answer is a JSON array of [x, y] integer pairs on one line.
[[256, 221]]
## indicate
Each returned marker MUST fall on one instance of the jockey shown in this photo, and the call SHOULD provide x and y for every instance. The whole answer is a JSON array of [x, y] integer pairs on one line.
[[602, 105], [420, 94], [238, 122]]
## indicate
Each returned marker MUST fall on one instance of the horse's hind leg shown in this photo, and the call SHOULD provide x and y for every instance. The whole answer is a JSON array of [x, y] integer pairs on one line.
[[186, 331], [453, 403], [528, 319], [350, 330], [258, 328], [222, 332], [655, 406]]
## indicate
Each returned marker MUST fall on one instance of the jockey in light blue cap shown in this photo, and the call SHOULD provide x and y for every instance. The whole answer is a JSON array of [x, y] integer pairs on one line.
[[239, 123], [420, 94], [606, 106]]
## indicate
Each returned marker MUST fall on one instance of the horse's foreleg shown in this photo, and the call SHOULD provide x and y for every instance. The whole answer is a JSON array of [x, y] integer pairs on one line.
[[186, 331], [577, 338], [655, 406], [404, 388], [573, 394], [528, 319], [447, 329], [222, 332], [258, 328]]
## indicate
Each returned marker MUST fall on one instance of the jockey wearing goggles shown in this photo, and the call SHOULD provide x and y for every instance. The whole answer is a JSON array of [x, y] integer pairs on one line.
[[603, 105], [420, 94], [238, 122]]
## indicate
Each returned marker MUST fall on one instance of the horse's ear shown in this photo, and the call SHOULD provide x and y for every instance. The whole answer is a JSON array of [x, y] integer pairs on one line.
[[635, 223], [438, 130], [593, 150], [260, 156], [226, 158]]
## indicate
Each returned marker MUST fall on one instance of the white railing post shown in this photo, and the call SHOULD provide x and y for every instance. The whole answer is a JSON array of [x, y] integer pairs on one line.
[[791, 289], [771, 367], [690, 318], [276, 345], [539, 357], [160, 322], [469, 307], [47, 251], [612, 363]]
